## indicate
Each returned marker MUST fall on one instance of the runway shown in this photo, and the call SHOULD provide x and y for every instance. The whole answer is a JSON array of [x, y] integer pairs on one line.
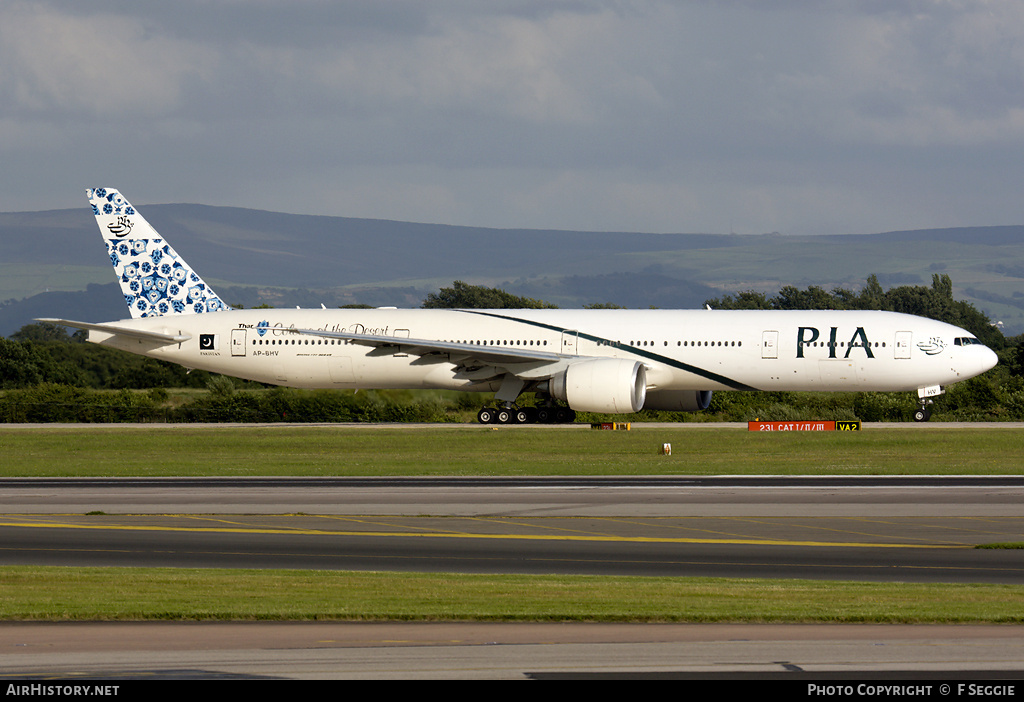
[[905, 529], [792, 655], [640, 496], [910, 529]]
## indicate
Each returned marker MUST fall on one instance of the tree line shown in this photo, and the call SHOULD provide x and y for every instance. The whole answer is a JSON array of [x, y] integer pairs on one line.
[[935, 302]]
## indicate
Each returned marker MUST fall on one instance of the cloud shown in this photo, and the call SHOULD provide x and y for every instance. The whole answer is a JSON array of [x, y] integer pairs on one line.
[[797, 116], [102, 65]]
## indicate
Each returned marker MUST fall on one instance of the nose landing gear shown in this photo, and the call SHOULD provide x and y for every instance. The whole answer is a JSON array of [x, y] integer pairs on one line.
[[924, 412], [924, 400]]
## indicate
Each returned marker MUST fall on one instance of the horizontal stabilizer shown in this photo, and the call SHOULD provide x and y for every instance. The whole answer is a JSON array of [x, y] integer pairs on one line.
[[142, 334]]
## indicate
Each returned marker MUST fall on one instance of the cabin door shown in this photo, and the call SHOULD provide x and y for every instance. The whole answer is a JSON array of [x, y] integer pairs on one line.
[[569, 339], [903, 340], [237, 342]]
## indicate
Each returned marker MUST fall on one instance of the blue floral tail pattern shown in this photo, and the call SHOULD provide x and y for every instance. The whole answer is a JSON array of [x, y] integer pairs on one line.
[[154, 279]]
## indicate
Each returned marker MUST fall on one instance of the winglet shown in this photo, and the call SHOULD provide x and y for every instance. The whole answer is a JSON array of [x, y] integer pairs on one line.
[[154, 279]]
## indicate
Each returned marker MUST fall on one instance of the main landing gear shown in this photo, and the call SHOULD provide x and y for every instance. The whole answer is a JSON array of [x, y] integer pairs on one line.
[[526, 415]]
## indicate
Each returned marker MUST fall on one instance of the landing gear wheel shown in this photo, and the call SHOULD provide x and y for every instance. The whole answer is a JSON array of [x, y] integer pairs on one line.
[[565, 415], [555, 415], [507, 415], [924, 411], [520, 416]]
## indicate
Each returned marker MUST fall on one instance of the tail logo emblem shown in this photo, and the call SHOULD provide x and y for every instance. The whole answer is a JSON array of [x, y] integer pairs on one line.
[[121, 227]]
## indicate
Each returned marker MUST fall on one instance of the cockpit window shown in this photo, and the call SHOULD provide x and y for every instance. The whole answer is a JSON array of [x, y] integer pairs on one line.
[[966, 341]]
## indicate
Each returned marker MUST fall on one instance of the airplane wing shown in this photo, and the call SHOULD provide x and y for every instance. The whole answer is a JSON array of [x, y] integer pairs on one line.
[[140, 334], [477, 362]]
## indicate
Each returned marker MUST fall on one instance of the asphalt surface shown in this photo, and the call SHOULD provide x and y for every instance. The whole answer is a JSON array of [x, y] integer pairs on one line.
[[881, 529], [921, 530], [743, 657]]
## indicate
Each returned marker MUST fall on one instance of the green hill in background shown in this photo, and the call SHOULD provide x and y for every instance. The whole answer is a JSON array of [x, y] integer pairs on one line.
[[54, 263]]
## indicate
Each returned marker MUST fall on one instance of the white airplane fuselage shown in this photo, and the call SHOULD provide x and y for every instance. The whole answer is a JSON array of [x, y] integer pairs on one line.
[[681, 349]]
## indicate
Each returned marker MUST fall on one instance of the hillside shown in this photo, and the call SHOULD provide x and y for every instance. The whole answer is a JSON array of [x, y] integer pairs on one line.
[[254, 256]]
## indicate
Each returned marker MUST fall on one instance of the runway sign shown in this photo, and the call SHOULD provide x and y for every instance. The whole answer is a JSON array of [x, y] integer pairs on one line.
[[842, 425], [621, 426]]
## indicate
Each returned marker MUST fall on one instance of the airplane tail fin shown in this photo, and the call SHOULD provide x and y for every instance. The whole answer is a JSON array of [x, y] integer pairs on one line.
[[154, 279]]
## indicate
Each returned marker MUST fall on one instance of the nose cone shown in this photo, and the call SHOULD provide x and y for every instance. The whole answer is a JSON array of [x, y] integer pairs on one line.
[[975, 360], [989, 359]]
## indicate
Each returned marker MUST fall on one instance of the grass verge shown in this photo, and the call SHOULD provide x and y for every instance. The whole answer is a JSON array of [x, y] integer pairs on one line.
[[181, 450], [55, 593]]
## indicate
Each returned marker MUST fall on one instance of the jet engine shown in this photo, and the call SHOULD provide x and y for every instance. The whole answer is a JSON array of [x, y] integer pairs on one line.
[[612, 385], [678, 400]]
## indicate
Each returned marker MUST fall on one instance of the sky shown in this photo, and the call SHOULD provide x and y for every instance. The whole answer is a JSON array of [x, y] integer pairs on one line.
[[800, 117]]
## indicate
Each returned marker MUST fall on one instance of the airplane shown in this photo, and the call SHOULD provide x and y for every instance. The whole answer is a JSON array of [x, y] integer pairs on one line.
[[609, 361]]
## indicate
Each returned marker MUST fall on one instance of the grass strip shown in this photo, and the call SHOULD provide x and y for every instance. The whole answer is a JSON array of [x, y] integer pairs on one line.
[[58, 593], [440, 450]]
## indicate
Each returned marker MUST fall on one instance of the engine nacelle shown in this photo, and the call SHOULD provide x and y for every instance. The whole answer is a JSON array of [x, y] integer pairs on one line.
[[678, 400], [612, 385]]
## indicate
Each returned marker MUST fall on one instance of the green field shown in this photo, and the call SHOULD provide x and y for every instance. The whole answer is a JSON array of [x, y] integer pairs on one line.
[[31, 593], [182, 450], [35, 593]]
